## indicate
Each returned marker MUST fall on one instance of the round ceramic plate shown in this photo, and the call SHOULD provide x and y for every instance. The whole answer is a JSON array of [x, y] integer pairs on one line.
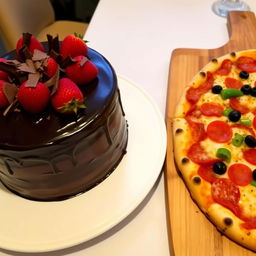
[[31, 226]]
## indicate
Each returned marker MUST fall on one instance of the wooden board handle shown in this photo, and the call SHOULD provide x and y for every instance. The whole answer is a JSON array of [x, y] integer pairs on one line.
[[242, 29]]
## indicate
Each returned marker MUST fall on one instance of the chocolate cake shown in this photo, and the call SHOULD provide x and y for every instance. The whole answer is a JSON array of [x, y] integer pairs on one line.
[[53, 156]]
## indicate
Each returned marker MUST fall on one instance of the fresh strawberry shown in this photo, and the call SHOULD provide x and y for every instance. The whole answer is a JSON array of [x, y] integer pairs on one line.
[[51, 67], [3, 100], [33, 44], [3, 75], [82, 73], [73, 46], [68, 98], [33, 99]]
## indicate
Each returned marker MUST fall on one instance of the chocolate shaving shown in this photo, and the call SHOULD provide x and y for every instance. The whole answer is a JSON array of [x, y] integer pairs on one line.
[[39, 65], [56, 44], [67, 62], [50, 43], [10, 91], [39, 55], [30, 64], [56, 56], [33, 79], [54, 81], [11, 107], [26, 39], [53, 44], [7, 67], [25, 68], [15, 75], [13, 62], [83, 61], [24, 53]]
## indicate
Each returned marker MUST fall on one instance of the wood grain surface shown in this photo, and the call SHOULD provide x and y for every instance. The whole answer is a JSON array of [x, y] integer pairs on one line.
[[190, 232]]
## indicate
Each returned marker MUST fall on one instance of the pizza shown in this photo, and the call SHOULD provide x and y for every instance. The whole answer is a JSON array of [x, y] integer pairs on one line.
[[214, 135]]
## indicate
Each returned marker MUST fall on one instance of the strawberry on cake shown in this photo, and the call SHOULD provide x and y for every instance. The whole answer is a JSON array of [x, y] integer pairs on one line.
[[62, 128]]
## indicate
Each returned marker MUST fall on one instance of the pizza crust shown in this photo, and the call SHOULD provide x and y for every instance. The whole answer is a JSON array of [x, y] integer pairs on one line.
[[217, 214]]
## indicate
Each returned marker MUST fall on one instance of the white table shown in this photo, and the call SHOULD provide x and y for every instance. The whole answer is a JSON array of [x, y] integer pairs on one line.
[[137, 37]]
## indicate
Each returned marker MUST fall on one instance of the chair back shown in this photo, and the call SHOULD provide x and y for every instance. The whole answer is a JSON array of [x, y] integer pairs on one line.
[[18, 16]]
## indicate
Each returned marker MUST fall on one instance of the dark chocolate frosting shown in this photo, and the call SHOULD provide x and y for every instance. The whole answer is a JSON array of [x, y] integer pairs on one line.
[[25, 130], [52, 156]]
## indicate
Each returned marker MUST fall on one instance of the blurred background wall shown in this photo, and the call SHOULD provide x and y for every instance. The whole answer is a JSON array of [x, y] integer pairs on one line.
[[71, 10]]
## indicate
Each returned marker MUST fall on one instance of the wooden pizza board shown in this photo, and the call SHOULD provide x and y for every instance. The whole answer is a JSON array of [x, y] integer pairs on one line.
[[190, 232]]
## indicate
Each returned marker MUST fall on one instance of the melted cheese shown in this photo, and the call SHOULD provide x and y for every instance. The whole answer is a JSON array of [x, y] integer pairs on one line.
[[248, 200], [248, 101], [210, 97]]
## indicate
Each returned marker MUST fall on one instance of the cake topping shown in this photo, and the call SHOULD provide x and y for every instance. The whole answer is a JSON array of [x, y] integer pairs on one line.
[[37, 74], [73, 46], [68, 97], [83, 71], [83, 61], [53, 44], [10, 91], [39, 55], [33, 99], [67, 62], [33, 79], [26, 46], [3, 99]]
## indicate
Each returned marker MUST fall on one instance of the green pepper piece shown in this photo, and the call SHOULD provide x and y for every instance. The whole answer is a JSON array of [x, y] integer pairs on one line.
[[230, 93], [246, 122], [227, 111], [237, 140], [224, 154], [253, 182]]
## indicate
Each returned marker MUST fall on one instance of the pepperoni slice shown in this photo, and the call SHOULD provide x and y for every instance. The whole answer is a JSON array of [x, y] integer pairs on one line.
[[219, 131], [225, 68], [240, 174], [247, 64], [193, 94], [197, 130], [227, 194], [236, 105], [193, 113], [197, 154], [250, 155], [206, 172], [233, 83], [211, 109], [242, 126]]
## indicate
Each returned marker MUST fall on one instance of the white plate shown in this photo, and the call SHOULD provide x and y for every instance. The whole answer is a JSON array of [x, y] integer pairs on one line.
[[30, 226]]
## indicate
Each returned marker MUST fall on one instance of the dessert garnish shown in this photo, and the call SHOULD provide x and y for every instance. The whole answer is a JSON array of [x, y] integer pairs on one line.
[[38, 78]]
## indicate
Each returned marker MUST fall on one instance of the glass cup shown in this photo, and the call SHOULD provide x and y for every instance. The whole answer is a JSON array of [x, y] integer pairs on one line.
[[222, 7]]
